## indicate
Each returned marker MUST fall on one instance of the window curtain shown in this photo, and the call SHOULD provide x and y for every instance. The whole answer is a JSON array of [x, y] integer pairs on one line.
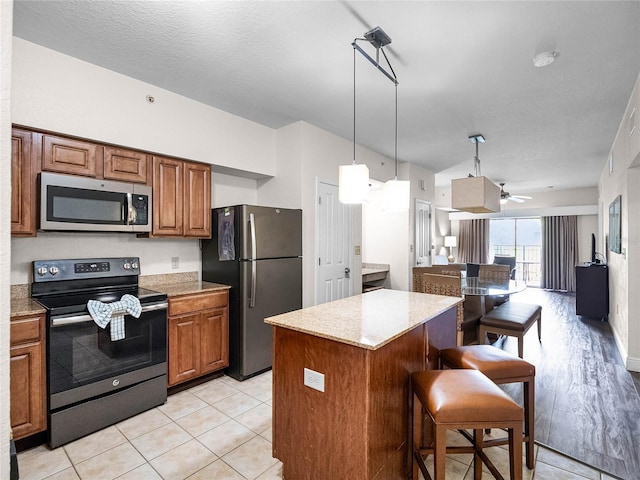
[[559, 253], [473, 241]]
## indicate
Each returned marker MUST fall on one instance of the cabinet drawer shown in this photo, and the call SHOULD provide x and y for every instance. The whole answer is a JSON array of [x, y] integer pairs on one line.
[[197, 302], [25, 330]]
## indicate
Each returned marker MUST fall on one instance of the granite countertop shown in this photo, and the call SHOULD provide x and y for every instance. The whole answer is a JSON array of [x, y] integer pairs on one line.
[[25, 306], [186, 288], [369, 320]]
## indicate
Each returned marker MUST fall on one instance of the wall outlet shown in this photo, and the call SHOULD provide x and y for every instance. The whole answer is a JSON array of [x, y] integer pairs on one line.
[[314, 379], [357, 249], [175, 262]]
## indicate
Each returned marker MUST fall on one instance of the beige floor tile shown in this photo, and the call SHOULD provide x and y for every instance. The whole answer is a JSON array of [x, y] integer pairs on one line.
[[260, 390], [199, 422], [183, 461], [215, 392], [143, 472], [225, 438], [145, 422], [252, 458], [565, 463], [43, 463], [455, 470], [161, 440], [217, 470], [92, 445], [236, 404], [66, 474], [181, 404], [549, 472], [268, 434], [258, 419], [110, 464], [274, 473], [33, 451]]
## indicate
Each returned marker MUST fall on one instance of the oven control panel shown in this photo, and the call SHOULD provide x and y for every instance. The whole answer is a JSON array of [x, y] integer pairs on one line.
[[74, 269]]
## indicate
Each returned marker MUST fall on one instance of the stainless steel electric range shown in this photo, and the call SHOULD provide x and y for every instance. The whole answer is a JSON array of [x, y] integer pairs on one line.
[[92, 380]]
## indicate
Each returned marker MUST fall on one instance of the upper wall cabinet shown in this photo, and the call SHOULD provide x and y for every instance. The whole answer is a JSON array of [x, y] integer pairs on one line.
[[90, 159], [126, 165], [181, 198], [23, 184], [68, 155]]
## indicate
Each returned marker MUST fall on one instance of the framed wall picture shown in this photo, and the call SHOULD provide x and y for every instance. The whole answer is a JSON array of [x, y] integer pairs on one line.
[[615, 225]]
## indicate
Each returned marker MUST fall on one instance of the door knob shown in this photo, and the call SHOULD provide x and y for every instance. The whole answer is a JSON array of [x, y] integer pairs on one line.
[[347, 271]]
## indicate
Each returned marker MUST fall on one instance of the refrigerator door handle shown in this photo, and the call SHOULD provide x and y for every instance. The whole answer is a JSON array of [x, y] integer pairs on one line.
[[252, 293]]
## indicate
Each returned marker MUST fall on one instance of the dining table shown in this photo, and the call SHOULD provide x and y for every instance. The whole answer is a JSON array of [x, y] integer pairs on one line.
[[485, 290]]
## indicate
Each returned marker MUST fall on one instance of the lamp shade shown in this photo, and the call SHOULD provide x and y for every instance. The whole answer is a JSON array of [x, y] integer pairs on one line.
[[475, 195], [449, 241], [395, 195], [353, 183]]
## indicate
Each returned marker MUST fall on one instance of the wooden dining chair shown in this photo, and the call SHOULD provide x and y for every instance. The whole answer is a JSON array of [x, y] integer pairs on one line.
[[448, 269], [467, 315]]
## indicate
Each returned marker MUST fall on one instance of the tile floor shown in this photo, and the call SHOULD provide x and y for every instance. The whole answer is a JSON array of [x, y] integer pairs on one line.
[[220, 430]]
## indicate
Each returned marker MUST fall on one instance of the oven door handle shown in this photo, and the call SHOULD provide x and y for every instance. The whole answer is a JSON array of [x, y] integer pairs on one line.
[[62, 321]]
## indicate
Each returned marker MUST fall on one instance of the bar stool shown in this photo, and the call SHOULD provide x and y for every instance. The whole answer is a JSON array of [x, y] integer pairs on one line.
[[462, 399], [502, 368]]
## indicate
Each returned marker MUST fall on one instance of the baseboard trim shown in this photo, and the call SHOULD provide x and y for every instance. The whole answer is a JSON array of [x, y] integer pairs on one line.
[[630, 363], [633, 364]]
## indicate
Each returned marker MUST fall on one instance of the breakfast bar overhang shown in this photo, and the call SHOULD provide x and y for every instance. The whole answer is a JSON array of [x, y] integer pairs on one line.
[[358, 352]]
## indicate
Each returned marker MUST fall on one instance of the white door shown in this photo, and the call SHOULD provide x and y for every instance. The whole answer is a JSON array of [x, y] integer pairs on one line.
[[333, 245], [423, 233]]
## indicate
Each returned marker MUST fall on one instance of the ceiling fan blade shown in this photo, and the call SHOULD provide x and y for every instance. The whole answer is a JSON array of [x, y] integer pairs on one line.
[[524, 197], [516, 199]]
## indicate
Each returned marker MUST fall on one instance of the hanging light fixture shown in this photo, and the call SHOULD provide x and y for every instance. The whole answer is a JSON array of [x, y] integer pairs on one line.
[[475, 194], [395, 193], [354, 179]]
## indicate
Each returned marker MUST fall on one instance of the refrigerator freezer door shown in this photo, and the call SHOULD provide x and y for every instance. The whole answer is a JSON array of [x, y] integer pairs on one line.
[[278, 289], [277, 232]]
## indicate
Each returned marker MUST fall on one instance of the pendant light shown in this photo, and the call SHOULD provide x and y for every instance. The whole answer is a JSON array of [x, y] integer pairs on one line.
[[353, 180], [395, 193], [475, 194]]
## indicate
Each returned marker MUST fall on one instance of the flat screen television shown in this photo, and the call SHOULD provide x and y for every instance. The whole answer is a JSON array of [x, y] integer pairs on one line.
[[593, 248]]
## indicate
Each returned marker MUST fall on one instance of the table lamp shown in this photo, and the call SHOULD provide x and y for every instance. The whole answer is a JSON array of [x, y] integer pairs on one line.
[[450, 241]]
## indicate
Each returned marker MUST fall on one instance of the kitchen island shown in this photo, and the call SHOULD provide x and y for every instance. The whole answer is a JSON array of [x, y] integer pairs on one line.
[[357, 355]]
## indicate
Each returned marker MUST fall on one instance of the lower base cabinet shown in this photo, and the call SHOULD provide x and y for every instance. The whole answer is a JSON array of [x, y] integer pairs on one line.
[[27, 376], [198, 335]]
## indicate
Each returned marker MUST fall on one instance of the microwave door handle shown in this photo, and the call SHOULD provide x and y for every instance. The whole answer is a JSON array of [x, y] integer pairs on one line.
[[129, 210]]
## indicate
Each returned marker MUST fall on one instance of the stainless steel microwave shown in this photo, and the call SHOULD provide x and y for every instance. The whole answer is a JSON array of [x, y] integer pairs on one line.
[[69, 202]]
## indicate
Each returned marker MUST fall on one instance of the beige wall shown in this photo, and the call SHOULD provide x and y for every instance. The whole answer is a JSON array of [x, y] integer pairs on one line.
[[621, 176]]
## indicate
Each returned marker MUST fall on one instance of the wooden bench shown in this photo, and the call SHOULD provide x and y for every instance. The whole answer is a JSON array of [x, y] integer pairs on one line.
[[513, 319]]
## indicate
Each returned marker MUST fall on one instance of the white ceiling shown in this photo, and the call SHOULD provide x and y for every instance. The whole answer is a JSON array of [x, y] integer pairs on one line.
[[463, 68]]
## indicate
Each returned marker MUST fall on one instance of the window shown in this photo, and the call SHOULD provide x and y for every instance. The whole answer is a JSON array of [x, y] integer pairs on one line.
[[521, 237]]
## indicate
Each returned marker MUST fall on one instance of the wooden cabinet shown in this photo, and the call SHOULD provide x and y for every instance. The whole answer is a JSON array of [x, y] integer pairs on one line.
[[592, 291], [70, 155], [126, 165], [23, 184], [27, 375], [181, 198], [198, 335]]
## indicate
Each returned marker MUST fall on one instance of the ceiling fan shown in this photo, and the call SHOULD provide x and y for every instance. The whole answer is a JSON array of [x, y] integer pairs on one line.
[[504, 196]]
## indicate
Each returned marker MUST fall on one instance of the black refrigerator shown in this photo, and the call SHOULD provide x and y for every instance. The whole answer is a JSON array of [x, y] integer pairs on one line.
[[258, 251]]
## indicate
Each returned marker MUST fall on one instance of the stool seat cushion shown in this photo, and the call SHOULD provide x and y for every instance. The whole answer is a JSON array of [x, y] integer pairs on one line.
[[512, 315], [463, 396], [492, 361]]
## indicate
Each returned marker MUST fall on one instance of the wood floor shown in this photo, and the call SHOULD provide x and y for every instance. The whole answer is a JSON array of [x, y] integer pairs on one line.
[[587, 405]]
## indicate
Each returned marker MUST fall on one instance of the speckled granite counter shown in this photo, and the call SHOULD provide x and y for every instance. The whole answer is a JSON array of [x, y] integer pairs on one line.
[[25, 306], [370, 320], [186, 288]]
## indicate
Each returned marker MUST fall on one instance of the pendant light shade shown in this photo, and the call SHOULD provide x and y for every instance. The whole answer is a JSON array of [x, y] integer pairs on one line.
[[395, 195], [353, 183], [475, 194]]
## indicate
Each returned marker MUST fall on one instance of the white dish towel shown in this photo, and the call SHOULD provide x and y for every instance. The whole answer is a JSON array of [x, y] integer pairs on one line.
[[103, 313]]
